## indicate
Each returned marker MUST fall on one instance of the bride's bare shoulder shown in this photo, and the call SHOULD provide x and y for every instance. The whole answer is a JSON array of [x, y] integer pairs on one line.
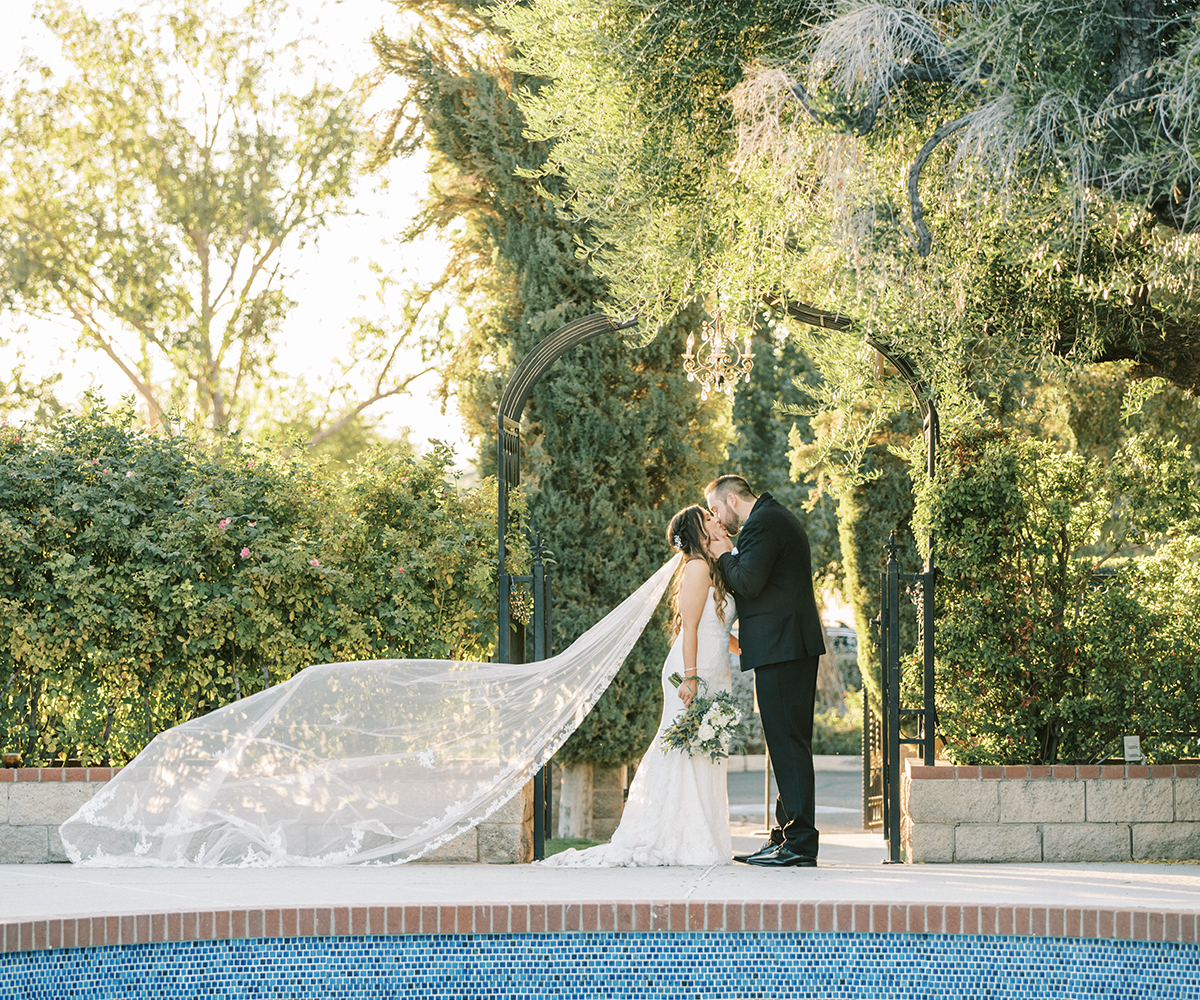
[[695, 574]]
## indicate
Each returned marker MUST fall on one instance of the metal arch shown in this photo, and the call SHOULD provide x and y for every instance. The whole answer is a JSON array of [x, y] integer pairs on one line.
[[516, 394], [812, 316], [549, 350], [508, 474], [512, 404], [921, 393]]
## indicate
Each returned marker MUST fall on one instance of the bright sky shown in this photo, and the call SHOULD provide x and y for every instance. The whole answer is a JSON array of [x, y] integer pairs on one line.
[[331, 280]]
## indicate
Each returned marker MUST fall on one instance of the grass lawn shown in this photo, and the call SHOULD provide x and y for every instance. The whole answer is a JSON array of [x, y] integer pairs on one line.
[[554, 845]]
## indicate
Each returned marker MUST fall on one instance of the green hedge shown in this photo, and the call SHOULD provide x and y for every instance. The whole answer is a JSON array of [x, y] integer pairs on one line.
[[147, 580], [1041, 659]]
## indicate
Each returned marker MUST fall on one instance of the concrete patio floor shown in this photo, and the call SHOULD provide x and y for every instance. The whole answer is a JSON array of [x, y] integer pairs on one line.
[[32, 892]]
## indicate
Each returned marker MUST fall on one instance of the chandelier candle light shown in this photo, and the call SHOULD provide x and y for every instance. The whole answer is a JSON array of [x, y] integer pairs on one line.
[[721, 369]]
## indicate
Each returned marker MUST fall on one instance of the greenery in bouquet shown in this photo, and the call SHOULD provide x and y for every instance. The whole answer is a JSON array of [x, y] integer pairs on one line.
[[706, 727]]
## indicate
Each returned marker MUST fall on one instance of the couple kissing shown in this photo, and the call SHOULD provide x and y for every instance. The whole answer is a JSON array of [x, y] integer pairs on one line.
[[677, 811]]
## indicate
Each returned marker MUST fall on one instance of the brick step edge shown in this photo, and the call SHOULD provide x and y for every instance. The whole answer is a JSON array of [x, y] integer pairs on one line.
[[1135, 924], [54, 775]]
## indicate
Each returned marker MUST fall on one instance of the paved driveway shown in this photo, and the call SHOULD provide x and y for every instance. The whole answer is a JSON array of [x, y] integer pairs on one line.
[[839, 799], [839, 812]]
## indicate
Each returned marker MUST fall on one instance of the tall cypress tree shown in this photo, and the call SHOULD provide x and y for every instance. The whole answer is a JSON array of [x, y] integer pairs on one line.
[[768, 421], [615, 438]]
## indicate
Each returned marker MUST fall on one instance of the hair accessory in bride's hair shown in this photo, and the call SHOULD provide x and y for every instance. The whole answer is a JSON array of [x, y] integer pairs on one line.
[[678, 542]]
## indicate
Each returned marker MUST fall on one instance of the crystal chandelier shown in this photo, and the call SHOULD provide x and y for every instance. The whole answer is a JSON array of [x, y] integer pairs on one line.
[[718, 364]]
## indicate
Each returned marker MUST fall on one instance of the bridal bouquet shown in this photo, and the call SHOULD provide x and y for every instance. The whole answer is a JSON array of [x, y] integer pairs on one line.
[[706, 727]]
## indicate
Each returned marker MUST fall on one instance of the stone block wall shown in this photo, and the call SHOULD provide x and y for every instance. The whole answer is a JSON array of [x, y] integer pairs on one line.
[[1059, 813], [586, 800], [505, 838], [34, 802]]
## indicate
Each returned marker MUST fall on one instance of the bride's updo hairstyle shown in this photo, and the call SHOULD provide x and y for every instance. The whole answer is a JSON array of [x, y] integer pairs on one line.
[[685, 534]]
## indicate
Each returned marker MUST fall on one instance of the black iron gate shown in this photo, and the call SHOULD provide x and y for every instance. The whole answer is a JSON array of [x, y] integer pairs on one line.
[[884, 736], [528, 642], [872, 783]]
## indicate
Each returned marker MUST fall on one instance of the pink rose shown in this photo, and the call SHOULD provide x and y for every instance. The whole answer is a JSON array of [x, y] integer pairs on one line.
[[314, 562], [130, 474], [223, 524], [245, 553], [252, 523]]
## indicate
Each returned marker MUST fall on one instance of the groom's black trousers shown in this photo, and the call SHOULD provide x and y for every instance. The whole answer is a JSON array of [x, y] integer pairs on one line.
[[786, 693]]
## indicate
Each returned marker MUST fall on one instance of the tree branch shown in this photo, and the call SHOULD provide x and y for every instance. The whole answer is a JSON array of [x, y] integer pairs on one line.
[[154, 410], [924, 239], [358, 408], [942, 69], [801, 95], [1163, 348]]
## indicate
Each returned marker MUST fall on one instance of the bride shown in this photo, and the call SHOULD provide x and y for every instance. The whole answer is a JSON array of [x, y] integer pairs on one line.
[[678, 808]]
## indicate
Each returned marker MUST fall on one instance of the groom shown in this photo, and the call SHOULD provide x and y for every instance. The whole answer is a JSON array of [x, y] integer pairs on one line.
[[770, 574]]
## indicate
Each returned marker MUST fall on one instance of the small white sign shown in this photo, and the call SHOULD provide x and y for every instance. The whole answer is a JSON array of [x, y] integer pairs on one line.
[[1133, 749]]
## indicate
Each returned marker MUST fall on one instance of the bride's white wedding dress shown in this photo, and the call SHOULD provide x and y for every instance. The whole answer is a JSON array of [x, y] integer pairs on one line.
[[678, 807]]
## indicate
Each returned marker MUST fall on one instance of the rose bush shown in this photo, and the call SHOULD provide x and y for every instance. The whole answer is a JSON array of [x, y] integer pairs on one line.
[[147, 580]]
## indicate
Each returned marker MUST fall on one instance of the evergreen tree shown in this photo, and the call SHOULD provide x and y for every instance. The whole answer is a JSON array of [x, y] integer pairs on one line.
[[615, 439], [769, 419]]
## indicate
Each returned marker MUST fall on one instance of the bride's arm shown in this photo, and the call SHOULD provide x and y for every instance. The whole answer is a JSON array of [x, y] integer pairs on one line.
[[693, 592]]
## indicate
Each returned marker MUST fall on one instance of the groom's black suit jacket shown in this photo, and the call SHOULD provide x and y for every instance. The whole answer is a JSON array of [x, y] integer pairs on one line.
[[771, 577]]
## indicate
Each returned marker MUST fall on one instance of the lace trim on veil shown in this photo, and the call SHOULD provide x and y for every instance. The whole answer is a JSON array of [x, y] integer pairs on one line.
[[375, 761]]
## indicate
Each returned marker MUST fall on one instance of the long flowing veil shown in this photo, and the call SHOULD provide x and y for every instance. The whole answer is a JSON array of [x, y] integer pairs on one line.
[[378, 760]]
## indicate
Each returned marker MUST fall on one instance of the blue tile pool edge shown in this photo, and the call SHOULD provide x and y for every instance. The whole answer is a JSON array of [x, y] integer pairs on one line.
[[654, 964]]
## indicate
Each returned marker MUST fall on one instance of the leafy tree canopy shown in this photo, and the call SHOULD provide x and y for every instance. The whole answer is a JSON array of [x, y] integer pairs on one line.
[[153, 180], [798, 154]]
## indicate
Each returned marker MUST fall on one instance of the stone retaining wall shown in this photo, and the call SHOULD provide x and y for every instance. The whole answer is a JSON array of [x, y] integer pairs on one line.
[[1059, 813], [586, 800], [34, 802]]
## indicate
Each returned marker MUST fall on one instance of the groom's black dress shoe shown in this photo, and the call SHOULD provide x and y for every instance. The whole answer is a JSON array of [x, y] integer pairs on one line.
[[782, 857], [768, 848]]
